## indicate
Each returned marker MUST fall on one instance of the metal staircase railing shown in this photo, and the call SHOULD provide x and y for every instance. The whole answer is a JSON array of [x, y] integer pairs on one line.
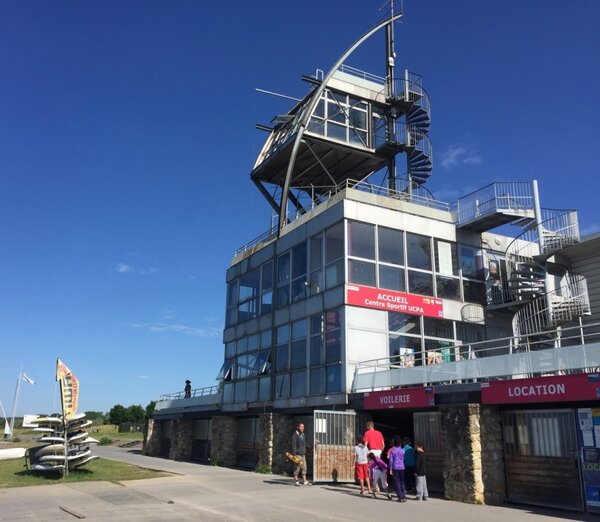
[[554, 308], [508, 197]]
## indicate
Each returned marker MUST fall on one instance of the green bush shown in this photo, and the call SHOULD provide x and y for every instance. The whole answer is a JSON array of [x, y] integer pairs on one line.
[[105, 441], [265, 469]]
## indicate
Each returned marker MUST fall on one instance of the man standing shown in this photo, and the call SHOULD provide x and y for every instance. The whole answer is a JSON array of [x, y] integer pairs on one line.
[[299, 449], [374, 439], [409, 465], [188, 389]]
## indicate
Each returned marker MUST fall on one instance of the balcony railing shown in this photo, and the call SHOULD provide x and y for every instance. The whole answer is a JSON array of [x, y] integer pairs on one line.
[[575, 350], [198, 392]]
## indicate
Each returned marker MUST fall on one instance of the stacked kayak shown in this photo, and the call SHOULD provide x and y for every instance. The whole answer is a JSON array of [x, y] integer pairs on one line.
[[64, 444]]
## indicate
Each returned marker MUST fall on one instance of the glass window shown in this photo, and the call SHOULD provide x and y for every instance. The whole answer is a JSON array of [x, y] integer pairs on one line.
[[317, 381], [264, 389], [404, 323], [249, 284], [240, 391], [470, 333], [242, 345], [420, 283], [333, 346], [245, 365], [405, 351], [262, 363], [361, 272], [232, 293], [316, 252], [228, 393], [267, 276], [299, 329], [336, 131], [282, 386], [299, 289], [282, 357], [439, 351], [334, 243], [316, 282], [283, 296], [298, 384], [418, 251], [225, 371], [251, 390], [316, 350], [298, 359], [282, 333], [229, 349], [316, 324], [299, 260], [448, 288], [334, 274], [392, 278], [361, 240], [247, 310], [438, 327], [474, 292], [471, 262], [283, 268], [266, 303], [391, 246], [446, 258], [332, 320], [334, 378], [265, 338]]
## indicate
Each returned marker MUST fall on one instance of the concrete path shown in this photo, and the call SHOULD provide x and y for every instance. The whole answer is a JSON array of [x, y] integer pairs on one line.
[[208, 493]]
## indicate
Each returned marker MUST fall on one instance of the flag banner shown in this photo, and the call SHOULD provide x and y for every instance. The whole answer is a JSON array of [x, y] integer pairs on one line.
[[28, 379], [69, 389]]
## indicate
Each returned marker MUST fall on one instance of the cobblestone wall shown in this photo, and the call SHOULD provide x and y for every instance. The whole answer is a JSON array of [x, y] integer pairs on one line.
[[283, 427], [462, 462], [152, 438], [492, 456], [224, 437], [181, 440]]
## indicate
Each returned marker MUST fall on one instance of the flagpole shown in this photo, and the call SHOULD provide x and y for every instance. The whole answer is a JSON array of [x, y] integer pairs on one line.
[[14, 408], [5, 419]]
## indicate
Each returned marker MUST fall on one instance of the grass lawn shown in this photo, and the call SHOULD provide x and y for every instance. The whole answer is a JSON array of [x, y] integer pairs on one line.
[[14, 474]]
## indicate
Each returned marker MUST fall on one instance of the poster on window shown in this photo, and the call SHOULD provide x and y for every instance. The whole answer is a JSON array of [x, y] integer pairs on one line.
[[589, 440]]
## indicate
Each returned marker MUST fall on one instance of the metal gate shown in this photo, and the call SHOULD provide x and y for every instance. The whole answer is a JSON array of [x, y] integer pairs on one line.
[[334, 434], [428, 431], [540, 449]]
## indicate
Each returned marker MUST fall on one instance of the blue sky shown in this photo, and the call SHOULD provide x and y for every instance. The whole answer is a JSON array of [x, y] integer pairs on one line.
[[127, 138]]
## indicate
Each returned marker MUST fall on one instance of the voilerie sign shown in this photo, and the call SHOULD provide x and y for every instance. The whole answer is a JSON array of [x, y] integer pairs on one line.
[[403, 398], [391, 301], [579, 387]]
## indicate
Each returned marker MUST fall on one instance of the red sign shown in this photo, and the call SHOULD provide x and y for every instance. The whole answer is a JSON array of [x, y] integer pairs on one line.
[[391, 301], [581, 387], [405, 398]]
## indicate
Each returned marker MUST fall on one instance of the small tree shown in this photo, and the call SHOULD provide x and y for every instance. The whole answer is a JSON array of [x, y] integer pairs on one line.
[[135, 414], [150, 409], [117, 414]]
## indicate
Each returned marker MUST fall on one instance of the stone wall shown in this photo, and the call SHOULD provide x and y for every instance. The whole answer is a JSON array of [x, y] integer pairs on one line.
[[462, 463], [283, 427], [181, 440], [152, 438], [492, 456], [224, 438]]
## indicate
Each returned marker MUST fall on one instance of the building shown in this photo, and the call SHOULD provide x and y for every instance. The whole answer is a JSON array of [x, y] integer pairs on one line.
[[466, 325]]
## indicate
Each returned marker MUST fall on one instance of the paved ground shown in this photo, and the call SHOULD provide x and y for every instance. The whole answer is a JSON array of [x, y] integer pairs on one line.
[[207, 493]]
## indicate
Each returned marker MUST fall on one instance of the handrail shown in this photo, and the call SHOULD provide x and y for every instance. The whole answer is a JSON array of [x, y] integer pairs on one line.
[[508, 357], [198, 392]]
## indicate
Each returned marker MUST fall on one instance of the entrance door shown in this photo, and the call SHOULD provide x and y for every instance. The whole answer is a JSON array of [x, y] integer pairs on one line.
[[334, 433], [540, 451], [428, 431]]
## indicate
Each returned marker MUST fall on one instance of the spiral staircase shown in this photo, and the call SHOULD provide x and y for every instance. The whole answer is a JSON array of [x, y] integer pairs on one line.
[[407, 124]]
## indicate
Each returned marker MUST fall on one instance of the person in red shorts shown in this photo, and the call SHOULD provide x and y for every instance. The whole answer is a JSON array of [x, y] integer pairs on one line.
[[361, 465]]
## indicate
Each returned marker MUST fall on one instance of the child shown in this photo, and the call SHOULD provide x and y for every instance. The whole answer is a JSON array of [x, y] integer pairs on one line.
[[420, 471], [377, 472], [397, 468], [361, 465]]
